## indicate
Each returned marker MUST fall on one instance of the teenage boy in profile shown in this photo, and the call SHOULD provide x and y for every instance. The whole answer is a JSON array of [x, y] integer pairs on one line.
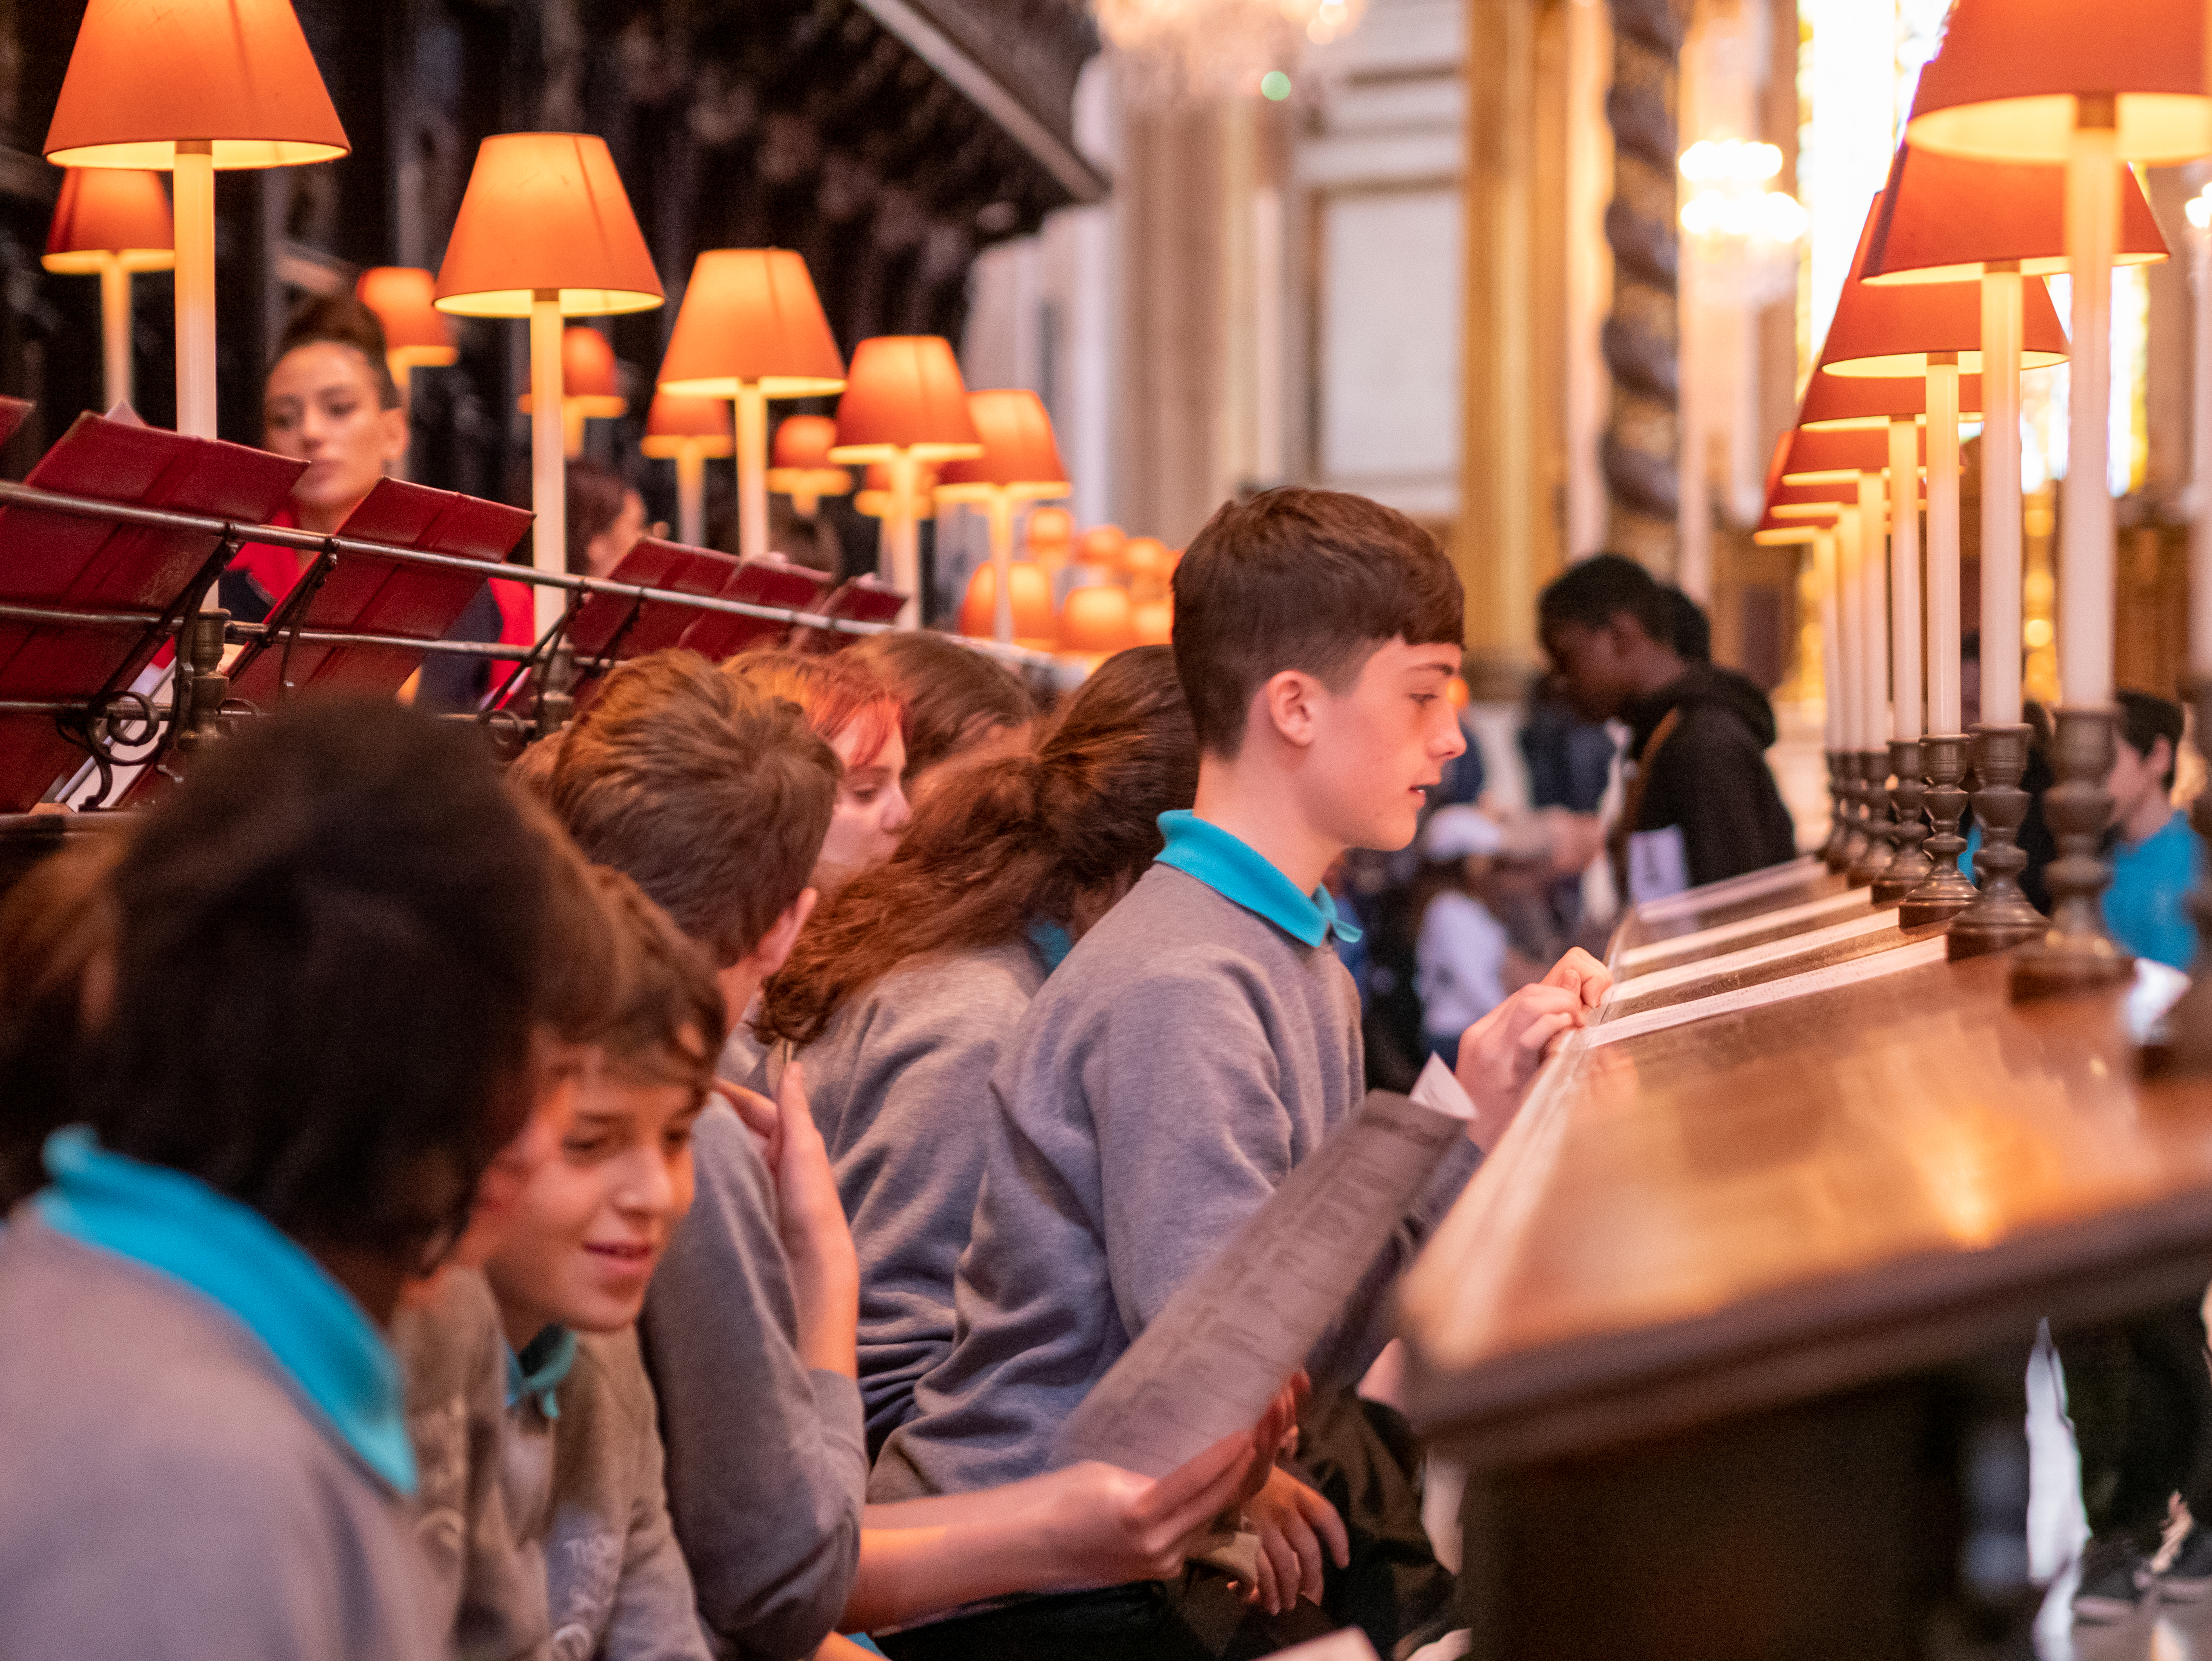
[[1203, 1039], [1701, 802]]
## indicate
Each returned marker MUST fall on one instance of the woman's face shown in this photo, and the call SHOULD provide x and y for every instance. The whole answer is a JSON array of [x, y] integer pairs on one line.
[[320, 407], [871, 811], [604, 551]]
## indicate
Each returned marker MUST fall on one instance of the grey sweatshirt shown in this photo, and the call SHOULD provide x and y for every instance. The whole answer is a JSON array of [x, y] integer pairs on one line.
[[1176, 1068], [587, 1490], [165, 1490], [766, 1464], [488, 1589], [899, 1085]]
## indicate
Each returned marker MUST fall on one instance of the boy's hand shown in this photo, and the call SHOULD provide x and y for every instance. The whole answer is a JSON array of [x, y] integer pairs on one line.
[[1500, 1053], [1293, 1522], [825, 1272]]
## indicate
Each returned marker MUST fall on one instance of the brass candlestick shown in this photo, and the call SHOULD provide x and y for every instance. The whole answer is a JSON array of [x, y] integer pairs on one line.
[[1909, 865], [2000, 915], [1854, 811], [1873, 786], [1839, 829], [1946, 890], [2184, 1045], [2073, 953]]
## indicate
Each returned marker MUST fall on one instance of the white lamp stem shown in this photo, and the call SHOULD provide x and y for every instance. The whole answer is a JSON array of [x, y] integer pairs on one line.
[[1873, 676], [1905, 579], [902, 557], [1831, 653], [752, 470], [691, 496], [115, 329], [2002, 314], [1851, 631], [1001, 510], [195, 225], [2085, 558], [548, 465], [2200, 538], [402, 377], [1945, 710]]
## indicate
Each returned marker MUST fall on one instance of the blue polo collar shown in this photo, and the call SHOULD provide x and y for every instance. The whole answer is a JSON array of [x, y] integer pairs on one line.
[[1237, 871], [537, 1374], [310, 1325], [1050, 941]]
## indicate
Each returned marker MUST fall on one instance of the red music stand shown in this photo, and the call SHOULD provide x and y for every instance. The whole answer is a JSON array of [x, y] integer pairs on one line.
[[770, 581], [863, 599]]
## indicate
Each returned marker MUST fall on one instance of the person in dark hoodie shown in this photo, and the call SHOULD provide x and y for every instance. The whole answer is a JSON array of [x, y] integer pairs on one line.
[[1701, 803]]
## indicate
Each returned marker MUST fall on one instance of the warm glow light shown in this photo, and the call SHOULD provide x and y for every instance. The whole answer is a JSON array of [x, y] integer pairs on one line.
[[2199, 209], [1731, 161]]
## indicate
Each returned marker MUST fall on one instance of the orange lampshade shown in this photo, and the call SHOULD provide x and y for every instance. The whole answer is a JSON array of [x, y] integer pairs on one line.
[[1051, 527], [1018, 454], [2004, 85], [415, 331], [1146, 561], [121, 214], [1803, 501], [1096, 619], [546, 210], [1152, 623], [1829, 458], [1944, 218], [590, 384], [751, 315], [1836, 403], [1101, 546], [1032, 592], [676, 425], [1890, 331], [874, 498], [804, 440], [904, 393], [145, 73]]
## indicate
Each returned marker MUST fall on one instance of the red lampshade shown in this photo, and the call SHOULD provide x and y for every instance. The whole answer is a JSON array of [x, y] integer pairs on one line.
[[2004, 84], [1032, 592], [904, 393], [1101, 546], [1890, 331], [121, 214], [1152, 623], [545, 210], [804, 440], [1828, 458], [1147, 561], [1837, 403], [874, 496], [415, 331], [675, 425], [146, 74], [1944, 218], [1803, 501], [1053, 528], [1018, 454], [751, 315], [1096, 618], [590, 384]]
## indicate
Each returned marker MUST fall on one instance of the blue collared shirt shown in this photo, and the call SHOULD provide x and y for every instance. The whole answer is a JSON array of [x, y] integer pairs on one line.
[[317, 1334], [1237, 871], [2145, 904], [538, 1371]]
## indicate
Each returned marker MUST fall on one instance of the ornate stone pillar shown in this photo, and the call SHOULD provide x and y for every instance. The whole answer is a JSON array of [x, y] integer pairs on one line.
[[1643, 436]]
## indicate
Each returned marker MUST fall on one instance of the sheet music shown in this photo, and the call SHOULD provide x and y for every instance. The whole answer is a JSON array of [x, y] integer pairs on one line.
[[1917, 954], [1729, 890], [1851, 899], [1749, 957], [1213, 1359]]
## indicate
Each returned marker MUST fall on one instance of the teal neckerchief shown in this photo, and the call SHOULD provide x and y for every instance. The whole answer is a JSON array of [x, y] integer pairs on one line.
[[1237, 871], [322, 1339], [1050, 941], [537, 1372]]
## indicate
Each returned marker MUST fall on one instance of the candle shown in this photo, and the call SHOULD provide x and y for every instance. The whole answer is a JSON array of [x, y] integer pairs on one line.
[[2003, 311], [1851, 631], [1874, 684], [1905, 579], [1944, 714], [1831, 654], [2085, 563]]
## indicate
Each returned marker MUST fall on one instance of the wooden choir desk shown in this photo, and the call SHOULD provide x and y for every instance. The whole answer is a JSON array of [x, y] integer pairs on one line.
[[1731, 1330]]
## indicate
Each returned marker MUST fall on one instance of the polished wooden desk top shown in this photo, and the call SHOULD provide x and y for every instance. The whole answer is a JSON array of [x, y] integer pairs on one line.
[[1768, 1204]]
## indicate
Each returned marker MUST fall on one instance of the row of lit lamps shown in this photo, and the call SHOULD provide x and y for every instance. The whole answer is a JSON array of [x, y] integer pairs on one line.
[[2014, 167], [545, 231]]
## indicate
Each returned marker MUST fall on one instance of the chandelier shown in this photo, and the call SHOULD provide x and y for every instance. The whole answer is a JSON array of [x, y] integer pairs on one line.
[[1171, 49], [1745, 235]]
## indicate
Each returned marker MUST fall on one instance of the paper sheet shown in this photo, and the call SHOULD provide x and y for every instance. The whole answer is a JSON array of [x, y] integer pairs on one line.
[[1851, 899], [1750, 956], [1209, 1364], [1917, 954]]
